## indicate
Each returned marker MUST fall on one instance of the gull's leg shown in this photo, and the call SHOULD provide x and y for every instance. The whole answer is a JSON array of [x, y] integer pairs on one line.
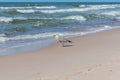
[[63, 45]]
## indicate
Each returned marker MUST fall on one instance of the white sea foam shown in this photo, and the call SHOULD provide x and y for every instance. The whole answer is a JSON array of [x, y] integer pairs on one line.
[[25, 11], [107, 27], [24, 37], [14, 8], [76, 9], [37, 36], [104, 6], [9, 19], [3, 39], [59, 11], [111, 13], [34, 36], [39, 7], [43, 7], [82, 6], [2, 35], [76, 17], [5, 19], [49, 11], [46, 35], [21, 18], [3, 7]]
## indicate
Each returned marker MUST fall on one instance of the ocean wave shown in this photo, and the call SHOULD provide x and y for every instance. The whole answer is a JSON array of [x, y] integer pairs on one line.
[[10, 19], [49, 11], [3, 39], [105, 6], [75, 9], [61, 10], [25, 11], [82, 6], [76, 17], [24, 37], [45, 7], [50, 34], [22, 19], [4, 8], [2, 35], [118, 18], [6, 19], [99, 29], [19, 11], [111, 13], [18, 19], [37, 7]]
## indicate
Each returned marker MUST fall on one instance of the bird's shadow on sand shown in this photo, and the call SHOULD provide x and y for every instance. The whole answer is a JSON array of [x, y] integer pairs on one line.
[[67, 46]]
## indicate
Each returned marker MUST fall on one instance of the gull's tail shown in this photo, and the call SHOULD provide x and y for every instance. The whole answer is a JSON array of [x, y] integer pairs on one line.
[[69, 41]]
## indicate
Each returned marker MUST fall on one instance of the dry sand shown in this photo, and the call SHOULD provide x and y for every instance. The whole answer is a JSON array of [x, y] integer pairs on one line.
[[91, 57]]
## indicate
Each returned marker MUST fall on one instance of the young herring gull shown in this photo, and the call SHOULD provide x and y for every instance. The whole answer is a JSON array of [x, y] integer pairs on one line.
[[62, 40]]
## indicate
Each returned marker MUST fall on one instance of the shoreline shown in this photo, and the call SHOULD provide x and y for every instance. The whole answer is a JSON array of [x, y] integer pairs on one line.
[[86, 55], [54, 43], [47, 44]]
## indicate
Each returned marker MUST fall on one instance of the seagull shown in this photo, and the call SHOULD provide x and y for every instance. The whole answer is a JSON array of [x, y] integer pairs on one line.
[[61, 39]]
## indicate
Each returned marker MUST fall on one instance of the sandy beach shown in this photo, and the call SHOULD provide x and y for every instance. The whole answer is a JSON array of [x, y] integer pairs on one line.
[[90, 57]]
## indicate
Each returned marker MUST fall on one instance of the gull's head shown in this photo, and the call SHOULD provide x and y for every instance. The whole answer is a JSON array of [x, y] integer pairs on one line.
[[56, 36]]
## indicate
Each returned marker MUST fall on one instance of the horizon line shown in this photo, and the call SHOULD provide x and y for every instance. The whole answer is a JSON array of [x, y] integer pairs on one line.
[[70, 1]]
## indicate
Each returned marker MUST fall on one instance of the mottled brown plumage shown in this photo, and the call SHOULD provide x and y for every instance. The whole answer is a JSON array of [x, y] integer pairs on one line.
[[61, 39]]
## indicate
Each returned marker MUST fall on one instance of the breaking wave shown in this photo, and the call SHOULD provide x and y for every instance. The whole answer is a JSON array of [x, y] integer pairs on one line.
[[52, 9], [77, 17], [10, 19], [45, 7], [22, 19], [111, 13], [105, 6], [25, 11], [6, 19], [50, 34], [96, 7], [38, 7]]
